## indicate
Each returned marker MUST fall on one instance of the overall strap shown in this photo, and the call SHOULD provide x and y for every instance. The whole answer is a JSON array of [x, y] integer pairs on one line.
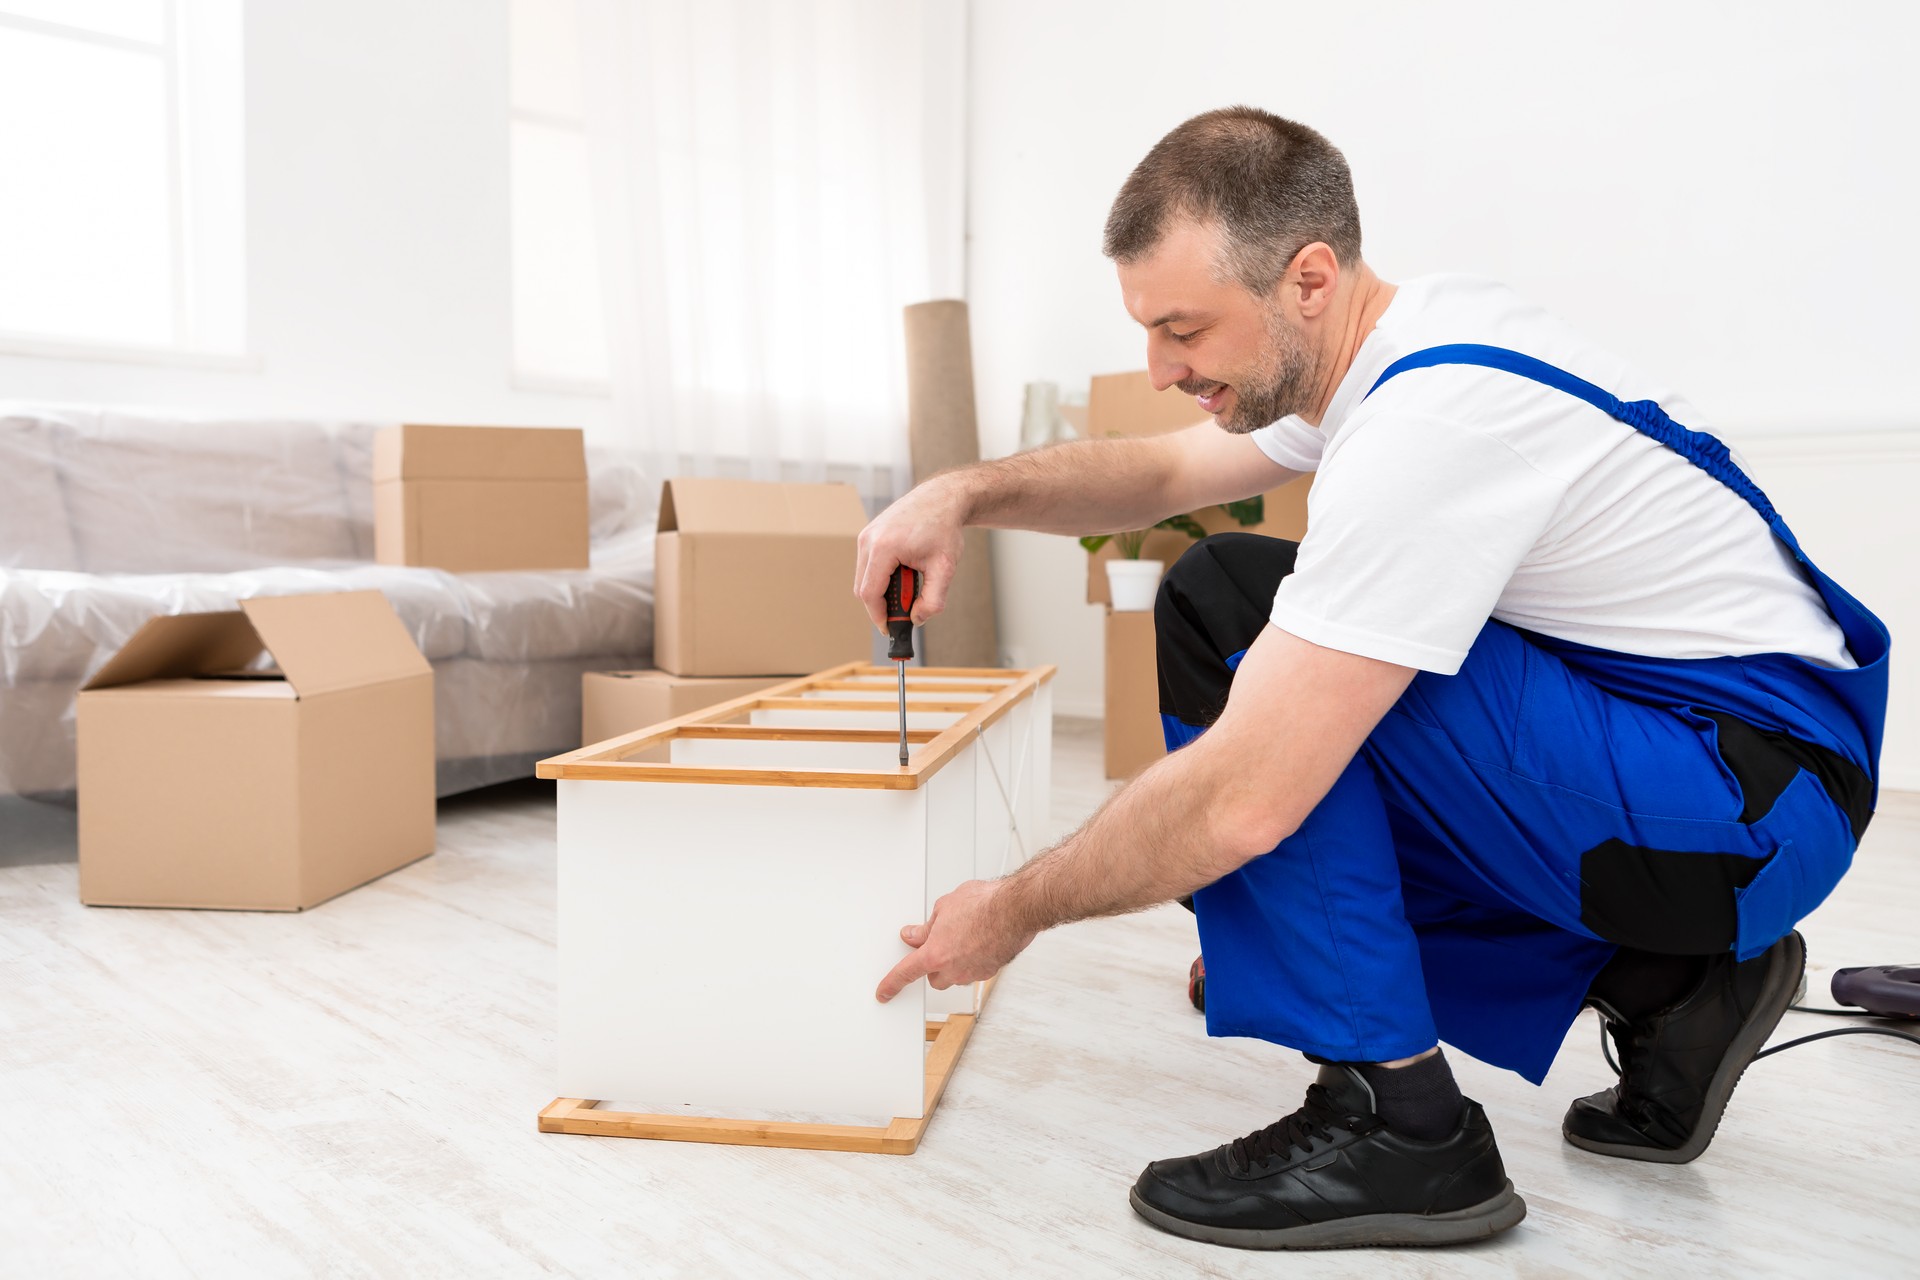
[[1644, 416]]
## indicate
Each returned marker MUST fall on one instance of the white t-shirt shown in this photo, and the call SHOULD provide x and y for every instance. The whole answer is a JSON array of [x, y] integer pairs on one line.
[[1458, 493]]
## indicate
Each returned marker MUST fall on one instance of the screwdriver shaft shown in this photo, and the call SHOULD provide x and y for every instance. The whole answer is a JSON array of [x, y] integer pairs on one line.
[[902, 667]]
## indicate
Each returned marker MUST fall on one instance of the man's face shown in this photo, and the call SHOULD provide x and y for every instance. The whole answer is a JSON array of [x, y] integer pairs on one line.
[[1235, 352]]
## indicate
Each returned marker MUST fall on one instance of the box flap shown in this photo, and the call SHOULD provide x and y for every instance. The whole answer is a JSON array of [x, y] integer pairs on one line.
[[705, 504], [335, 641], [420, 452], [180, 645], [1126, 404]]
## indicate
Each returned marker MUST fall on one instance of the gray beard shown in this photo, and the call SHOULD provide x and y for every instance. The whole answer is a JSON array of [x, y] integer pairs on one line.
[[1287, 385]]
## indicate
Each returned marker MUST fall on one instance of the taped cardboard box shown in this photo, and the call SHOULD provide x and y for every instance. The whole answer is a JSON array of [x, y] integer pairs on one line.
[[209, 778], [477, 499], [1125, 404], [1133, 737], [756, 579], [617, 702]]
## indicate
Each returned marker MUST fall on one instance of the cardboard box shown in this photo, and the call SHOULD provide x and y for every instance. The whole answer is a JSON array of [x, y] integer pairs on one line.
[[208, 782], [617, 702], [1133, 737], [474, 499], [1125, 404], [756, 579]]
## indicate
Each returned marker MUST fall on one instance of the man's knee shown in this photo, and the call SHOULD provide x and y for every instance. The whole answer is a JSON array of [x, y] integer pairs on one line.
[[1212, 605]]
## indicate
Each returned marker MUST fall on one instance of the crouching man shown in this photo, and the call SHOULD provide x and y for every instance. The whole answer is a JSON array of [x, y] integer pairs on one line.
[[1547, 710]]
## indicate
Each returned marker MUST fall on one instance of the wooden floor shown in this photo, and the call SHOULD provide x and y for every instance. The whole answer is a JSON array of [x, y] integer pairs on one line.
[[352, 1092]]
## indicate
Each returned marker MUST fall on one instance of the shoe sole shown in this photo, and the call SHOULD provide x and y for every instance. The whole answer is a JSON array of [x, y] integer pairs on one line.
[[1462, 1226], [1783, 980]]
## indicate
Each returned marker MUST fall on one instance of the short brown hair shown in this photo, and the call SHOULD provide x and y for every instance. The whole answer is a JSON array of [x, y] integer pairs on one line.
[[1274, 186]]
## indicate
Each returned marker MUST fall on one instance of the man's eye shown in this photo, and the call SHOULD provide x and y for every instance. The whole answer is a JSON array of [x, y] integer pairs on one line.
[[1181, 337]]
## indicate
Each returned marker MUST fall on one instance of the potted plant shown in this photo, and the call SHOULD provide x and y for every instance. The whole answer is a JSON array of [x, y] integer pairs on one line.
[[1133, 582]]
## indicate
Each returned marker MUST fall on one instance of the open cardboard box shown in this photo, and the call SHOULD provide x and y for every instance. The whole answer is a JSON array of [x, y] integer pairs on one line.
[[478, 499], [753, 578], [1126, 404], [211, 779]]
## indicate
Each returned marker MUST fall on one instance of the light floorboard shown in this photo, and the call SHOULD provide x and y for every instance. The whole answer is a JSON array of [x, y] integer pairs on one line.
[[352, 1092]]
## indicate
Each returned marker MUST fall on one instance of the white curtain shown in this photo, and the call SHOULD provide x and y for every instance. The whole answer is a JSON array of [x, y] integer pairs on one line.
[[773, 180]]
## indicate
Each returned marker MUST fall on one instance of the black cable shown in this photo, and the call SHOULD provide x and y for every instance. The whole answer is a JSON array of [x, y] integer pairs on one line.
[[1606, 1044], [1838, 1031]]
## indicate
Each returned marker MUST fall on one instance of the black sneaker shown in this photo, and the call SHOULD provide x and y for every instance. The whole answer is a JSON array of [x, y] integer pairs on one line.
[[1331, 1176], [1678, 1066]]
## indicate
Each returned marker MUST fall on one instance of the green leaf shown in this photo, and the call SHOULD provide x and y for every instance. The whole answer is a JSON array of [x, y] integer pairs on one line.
[[1247, 511], [1184, 524], [1094, 541]]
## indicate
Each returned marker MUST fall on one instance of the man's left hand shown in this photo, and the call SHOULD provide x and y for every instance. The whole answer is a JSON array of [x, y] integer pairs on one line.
[[966, 939]]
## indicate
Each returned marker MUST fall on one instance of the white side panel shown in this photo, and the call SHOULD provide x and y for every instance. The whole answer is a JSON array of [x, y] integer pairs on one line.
[[994, 839], [1040, 772], [804, 719], [950, 823], [750, 753], [719, 947]]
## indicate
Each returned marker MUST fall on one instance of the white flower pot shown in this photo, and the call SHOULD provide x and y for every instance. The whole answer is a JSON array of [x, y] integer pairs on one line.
[[1133, 584]]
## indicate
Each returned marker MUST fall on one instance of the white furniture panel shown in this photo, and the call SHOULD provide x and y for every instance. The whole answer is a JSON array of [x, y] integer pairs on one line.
[[719, 947]]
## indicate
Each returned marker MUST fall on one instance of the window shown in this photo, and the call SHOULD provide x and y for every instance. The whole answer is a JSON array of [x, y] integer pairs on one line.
[[559, 329], [120, 139]]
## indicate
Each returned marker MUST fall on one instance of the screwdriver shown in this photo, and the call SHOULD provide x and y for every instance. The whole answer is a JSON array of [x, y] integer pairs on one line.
[[902, 588]]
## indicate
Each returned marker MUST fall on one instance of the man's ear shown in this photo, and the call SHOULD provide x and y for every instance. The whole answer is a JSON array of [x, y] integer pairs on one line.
[[1311, 279]]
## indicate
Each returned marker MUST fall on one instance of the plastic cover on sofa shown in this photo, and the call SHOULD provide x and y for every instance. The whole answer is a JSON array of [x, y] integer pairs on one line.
[[110, 517]]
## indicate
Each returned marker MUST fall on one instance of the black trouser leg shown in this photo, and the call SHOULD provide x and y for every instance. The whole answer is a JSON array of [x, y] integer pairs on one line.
[[1213, 604]]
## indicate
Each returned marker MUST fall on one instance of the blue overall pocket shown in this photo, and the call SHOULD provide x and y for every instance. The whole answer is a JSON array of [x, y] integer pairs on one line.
[[1813, 848]]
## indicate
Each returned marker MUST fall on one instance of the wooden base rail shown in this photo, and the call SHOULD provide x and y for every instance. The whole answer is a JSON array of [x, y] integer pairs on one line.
[[899, 1137]]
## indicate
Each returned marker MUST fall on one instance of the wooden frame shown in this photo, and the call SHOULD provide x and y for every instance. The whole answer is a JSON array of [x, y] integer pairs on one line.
[[652, 874], [609, 761]]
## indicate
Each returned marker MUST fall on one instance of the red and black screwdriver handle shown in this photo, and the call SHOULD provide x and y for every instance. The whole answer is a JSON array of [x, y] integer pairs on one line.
[[902, 590]]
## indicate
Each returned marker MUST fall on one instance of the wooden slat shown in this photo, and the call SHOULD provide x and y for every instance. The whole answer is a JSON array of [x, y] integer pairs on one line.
[[888, 683], [964, 673], [922, 703], [901, 1136], [795, 733]]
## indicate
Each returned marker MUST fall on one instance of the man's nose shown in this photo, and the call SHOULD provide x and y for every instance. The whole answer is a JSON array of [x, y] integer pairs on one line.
[[1164, 367]]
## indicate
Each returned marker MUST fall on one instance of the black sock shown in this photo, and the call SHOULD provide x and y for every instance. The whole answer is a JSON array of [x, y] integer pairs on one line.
[[1637, 983], [1421, 1100]]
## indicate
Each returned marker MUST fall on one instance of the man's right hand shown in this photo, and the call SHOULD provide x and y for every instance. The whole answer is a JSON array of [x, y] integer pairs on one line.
[[922, 531]]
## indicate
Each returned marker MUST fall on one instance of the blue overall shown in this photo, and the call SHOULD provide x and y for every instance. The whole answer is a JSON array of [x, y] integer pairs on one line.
[[1445, 888]]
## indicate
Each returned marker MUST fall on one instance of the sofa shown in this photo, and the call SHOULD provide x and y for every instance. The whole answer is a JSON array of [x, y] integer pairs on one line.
[[109, 517]]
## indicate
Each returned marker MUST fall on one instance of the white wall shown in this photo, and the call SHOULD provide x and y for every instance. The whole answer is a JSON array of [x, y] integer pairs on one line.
[[1723, 193], [377, 228]]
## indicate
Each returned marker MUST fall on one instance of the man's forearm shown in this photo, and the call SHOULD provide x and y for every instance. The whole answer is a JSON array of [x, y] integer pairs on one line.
[[1079, 487], [1176, 828], [1297, 715]]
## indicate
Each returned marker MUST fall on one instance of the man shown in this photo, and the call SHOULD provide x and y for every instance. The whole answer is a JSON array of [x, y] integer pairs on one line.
[[1546, 710]]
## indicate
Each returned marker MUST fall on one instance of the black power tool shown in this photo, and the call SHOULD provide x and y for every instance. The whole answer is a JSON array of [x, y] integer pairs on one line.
[[1888, 990]]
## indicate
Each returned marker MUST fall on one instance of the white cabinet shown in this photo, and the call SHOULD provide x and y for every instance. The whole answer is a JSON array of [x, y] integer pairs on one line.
[[731, 889]]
